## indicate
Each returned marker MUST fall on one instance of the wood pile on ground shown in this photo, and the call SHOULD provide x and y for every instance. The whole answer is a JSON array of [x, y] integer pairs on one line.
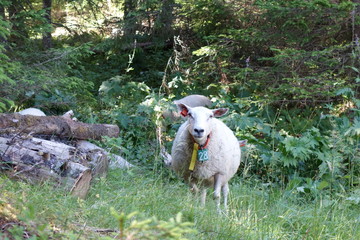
[[55, 149]]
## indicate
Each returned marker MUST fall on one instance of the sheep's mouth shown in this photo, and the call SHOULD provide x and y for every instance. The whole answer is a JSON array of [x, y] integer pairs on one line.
[[198, 135]]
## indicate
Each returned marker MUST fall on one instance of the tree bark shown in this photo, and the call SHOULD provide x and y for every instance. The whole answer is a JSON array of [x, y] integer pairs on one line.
[[2, 18], [129, 18], [47, 38], [18, 30], [2, 12], [356, 26], [164, 29], [58, 125], [116, 160]]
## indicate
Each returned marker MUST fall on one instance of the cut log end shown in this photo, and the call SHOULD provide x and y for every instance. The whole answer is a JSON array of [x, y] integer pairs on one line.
[[82, 185]]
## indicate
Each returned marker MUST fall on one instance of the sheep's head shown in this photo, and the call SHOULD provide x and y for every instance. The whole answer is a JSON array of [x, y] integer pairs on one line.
[[200, 119]]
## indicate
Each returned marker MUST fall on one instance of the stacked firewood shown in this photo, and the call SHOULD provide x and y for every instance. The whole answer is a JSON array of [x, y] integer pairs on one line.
[[55, 148]]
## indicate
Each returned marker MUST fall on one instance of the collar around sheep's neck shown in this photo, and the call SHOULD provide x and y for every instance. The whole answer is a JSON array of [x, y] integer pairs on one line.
[[205, 144], [198, 147]]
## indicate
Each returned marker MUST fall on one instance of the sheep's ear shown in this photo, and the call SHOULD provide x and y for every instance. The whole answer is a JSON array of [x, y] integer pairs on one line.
[[220, 112], [184, 110]]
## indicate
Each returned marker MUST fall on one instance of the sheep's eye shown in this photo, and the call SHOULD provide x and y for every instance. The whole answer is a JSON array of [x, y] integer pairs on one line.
[[211, 116], [189, 114]]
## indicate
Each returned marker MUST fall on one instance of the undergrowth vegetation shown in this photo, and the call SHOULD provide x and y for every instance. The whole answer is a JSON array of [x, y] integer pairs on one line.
[[288, 71], [138, 204]]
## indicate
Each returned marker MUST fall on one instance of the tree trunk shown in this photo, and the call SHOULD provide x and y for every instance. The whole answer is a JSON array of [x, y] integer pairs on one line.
[[18, 30], [55, 125], [2, 12], [2, 18], [129, 18], [164, 29], [356, 25], [47, 39]]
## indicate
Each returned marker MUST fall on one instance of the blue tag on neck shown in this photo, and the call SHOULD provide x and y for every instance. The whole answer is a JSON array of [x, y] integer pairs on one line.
[[202, 155]]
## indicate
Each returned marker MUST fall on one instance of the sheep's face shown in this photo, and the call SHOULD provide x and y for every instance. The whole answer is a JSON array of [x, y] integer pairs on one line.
[[200, 119]]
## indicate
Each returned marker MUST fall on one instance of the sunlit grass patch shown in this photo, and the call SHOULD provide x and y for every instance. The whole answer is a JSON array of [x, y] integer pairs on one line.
[[255, 212]]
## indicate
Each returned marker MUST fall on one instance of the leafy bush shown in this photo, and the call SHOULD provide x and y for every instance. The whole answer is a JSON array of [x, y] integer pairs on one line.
[[5, 66], [133, 107], [326, 152], [46, 80]]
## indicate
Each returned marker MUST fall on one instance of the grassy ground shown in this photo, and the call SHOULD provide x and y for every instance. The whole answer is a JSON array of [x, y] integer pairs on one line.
[[254, 212]]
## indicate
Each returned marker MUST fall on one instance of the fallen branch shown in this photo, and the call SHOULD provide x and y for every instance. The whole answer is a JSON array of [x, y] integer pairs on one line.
[[55, 125]]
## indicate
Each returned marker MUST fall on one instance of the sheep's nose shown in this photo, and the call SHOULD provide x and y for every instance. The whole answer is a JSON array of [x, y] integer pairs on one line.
[[199, 131]]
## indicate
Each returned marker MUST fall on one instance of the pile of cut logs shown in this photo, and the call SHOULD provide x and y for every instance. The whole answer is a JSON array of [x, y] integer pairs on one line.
[[55, 149]]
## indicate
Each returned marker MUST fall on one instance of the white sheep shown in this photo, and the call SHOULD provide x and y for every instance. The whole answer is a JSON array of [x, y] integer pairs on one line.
[[32, 111], [218, 156], [194, 100], [38, 112]]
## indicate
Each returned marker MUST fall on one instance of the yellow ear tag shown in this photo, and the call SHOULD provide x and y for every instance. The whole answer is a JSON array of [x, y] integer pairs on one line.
[[194, 157]]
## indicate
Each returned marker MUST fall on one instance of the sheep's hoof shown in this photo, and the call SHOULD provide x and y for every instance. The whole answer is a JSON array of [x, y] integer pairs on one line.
[[222, 211]]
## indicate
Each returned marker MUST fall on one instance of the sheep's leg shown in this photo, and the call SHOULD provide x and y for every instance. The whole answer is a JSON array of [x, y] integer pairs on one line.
[[194, 188], [225, 191], [217, 188], [203, 197]]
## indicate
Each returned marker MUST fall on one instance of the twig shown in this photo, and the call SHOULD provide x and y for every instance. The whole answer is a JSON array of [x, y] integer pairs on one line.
[[98, 230], [63, 26], [53, 59]]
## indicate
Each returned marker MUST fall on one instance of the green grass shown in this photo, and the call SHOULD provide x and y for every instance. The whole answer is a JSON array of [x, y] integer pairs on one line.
[[255, 212]]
